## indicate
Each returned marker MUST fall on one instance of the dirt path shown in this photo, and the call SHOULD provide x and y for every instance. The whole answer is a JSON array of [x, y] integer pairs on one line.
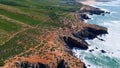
[[14, 21], [13, 35]]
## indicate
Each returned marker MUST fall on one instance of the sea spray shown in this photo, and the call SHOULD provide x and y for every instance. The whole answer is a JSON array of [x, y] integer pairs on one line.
[[111, 45]]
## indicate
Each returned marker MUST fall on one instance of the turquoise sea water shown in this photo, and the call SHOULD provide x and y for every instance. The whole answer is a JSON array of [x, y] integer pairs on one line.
[[110, 59]]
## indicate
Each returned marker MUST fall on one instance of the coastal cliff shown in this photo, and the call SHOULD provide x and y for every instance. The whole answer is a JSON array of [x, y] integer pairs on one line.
[[56, 46]]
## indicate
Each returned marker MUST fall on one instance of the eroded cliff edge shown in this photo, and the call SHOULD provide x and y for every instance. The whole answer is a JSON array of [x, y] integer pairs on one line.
[[55, 50]]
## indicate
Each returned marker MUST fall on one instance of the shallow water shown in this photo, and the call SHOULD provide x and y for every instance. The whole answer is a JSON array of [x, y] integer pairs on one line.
[[111, 45]]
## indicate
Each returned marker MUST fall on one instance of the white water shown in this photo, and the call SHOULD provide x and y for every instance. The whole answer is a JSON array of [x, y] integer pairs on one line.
[[111, 45]]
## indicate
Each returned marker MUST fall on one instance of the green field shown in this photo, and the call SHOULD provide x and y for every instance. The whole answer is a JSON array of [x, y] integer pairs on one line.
[[39, 14], [21, 42], [9, 26]]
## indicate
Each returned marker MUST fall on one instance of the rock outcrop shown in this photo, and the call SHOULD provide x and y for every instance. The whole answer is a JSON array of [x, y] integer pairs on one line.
[[90, 32], [71, 42], [77, 37], [103, 51], [91, 10], [26, 64], [84, 16]]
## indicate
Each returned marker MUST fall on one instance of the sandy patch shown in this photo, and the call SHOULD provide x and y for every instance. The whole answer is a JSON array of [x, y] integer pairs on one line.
[[89, 2]]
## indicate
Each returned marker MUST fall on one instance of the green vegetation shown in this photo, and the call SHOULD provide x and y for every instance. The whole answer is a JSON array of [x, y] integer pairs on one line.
[[19, 17], [18, 44], [38, 14], [9, 26]]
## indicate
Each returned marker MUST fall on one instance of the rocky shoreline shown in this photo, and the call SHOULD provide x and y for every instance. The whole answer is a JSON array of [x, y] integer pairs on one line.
[[57, 51]]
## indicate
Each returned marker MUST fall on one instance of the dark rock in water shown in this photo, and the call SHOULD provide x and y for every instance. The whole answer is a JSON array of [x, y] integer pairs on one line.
[[89, 65], [91, 50], [84, 16], [103, 14], [100, 39], [103, 51], [96, 48], [108, 12], [112, 52], [71, 42]]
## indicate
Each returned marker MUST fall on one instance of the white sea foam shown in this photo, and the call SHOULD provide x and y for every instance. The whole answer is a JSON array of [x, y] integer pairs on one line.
[[113, 3], [111, 44]]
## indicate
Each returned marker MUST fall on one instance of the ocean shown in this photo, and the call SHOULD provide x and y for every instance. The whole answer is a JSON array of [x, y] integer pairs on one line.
[[111, 45]]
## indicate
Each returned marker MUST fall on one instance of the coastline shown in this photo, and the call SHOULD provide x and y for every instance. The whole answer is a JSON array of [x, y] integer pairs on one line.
[[73, 36], [67, 38], [110, 21]]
